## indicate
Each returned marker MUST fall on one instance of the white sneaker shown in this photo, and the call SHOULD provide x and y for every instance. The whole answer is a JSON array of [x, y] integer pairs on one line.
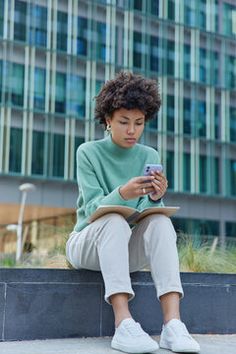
[[129, 337], [175, 336]]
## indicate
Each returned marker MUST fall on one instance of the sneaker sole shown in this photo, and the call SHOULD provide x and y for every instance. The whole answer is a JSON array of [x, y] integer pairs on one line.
[[138, 350], [165, 346]]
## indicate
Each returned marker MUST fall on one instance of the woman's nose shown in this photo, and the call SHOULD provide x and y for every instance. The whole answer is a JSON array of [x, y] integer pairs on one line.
[[131, 129]]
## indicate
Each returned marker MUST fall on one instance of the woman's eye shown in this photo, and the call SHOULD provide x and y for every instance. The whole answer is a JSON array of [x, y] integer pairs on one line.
[[123, 122], [139, 123]]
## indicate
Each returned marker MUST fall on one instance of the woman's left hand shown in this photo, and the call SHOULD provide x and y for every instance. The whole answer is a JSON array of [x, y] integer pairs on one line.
[[159, 184]]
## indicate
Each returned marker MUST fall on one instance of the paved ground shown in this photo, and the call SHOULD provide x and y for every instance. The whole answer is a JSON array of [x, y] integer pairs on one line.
[[210, 344]]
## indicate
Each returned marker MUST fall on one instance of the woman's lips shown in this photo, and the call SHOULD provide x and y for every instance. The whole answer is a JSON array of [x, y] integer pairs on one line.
[[130, 140]]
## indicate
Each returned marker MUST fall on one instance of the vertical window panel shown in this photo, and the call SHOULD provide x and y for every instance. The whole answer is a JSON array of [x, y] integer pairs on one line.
[[15, 155], [203, 174], [233, 177], [170, 169], [1, 17], [62, 19], [38, 25], [82, 39], [232, 122], [187, 172], [20, 20], [60, 102], [170, 113], [38, 147], [58, 155], [39, 88]]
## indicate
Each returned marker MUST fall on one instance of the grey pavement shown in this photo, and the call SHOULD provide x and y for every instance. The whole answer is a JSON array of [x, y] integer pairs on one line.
[[210, 344]]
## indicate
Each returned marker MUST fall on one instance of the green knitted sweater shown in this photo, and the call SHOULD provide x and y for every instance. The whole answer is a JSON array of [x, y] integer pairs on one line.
[[102, 167]]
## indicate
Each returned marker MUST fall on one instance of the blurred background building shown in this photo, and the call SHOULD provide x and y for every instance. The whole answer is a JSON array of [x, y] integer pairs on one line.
[[54, 57]]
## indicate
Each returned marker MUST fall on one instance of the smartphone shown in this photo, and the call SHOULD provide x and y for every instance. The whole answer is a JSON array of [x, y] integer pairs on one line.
[[148, 168]]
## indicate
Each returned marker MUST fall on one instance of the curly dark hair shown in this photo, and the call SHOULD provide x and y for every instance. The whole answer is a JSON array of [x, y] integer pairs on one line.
[[128, 91]]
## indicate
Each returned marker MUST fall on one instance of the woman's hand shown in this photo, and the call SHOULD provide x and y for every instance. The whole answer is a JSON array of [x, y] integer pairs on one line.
[[159, 184], [137, 187]]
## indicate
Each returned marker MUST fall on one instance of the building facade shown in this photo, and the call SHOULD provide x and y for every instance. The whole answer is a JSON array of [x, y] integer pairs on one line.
[[54, 57]]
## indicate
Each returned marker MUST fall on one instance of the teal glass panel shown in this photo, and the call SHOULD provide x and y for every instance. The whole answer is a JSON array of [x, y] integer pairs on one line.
[[233, 177], [14, 91], [37, 166], [78, 141], [229, 17], [216, 185], [230, 229], [60, 101], [190, 12], [62, 23], [101, 41], [203, 174], [20, 20], [187, 172], [197, 227], [138, 4], [152, 123], [1, 17], [39, 88], [203, 65], [201, 118], [230, 71], [202, 14], [187, 116], [170, 169], [58, 155], [171, 10], [217, 122], [38, 25], [154, 53], [170, 113], [232, 122], [99, 84], [170, 57], [15, 150], [137, 53], [82, 41], [214, 65], [1, 79], [154, 7], [75, 95], [187, 62]]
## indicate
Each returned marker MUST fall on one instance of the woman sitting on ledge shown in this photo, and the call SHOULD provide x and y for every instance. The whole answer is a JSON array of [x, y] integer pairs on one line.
[[110, 172]]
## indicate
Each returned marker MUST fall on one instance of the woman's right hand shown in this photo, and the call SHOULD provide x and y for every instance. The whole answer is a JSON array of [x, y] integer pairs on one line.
[[137, 187]]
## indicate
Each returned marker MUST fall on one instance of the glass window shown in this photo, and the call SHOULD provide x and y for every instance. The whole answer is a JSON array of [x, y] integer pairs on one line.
[[1, 81], [20, 20], [15, 150], [201, 119], [170, 57], [233, 177], [229, 19], [138, 4], [62, 19], [170, 113], [202, 66], [197, 227], [15, 84], [101, 41], [187, 116], [39, 88], [75, 101], [38, 25], [232, 119], [37, 166], [170, 169], [203, 174], [78, 141], [82, 36], [230, 71], [1, 17], [216, 185], [58, 155], [60, 102], [187, 172], [217, 121], [189, 12], [154, 7], [230, 229], [154, 54], [187, 62], [202, 14], [214, 65], [137, 54], [171, 10]]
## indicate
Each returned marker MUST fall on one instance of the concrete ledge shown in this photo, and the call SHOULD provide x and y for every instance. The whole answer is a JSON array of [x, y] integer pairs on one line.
[[58, 303]]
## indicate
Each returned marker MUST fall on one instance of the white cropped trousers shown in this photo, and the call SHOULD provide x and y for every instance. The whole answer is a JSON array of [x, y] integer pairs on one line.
[[109, 245]]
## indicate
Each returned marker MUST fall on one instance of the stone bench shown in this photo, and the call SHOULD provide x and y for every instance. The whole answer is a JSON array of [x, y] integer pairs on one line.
[[65, 303]]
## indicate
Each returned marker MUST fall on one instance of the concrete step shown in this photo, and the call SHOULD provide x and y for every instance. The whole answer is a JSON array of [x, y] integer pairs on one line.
[[210, 344]]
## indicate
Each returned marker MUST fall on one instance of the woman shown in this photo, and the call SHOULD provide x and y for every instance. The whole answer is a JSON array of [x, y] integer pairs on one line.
[[110, 172]]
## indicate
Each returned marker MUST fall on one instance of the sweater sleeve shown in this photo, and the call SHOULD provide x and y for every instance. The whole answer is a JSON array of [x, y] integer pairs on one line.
[[90, 190]]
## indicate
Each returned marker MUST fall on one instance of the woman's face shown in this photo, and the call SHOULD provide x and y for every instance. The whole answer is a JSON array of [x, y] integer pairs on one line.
[[126, 126]]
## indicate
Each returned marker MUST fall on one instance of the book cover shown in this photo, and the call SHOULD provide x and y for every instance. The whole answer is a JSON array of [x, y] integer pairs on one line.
[[130, 214]]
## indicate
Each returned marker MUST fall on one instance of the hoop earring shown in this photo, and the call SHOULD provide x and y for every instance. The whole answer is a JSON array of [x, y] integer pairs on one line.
[[108, 128]]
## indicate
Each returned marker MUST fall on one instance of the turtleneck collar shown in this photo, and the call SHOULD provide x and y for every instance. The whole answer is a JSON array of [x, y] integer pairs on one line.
[[119, 150]]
